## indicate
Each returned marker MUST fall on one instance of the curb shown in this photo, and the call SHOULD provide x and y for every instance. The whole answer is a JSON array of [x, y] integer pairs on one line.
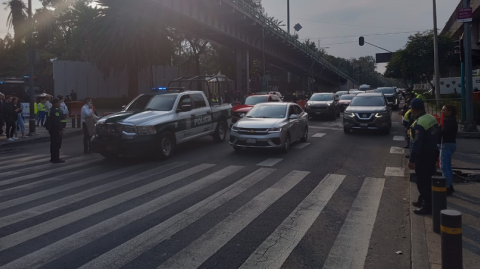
[[39, 139]]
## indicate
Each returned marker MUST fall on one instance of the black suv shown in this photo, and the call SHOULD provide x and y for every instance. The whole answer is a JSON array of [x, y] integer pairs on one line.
[[368, 111], [392, 96], [321, 104]]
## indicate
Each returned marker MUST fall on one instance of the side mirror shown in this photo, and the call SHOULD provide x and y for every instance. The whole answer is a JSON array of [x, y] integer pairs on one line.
[[124, 106], [293, 117], [184, 108]]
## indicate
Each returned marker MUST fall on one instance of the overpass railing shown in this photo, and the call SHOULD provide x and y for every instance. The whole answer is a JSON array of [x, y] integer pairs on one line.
[[275, 28]]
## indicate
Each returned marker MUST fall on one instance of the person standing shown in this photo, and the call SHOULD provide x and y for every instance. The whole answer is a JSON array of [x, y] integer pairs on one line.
[[73, 95], [55, 130], [87, 112], [20, 122], [448, 141], [2, 117], [424, 134], [41, 113], [48, 104], [64, 109], [10, 118]]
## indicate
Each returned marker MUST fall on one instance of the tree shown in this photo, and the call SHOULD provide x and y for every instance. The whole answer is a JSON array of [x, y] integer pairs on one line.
[[128, 35], [17, 19], [416, 60]]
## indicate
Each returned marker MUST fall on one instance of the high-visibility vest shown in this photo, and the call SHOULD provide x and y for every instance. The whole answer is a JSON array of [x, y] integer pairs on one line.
[[41, 107], [35, 108]]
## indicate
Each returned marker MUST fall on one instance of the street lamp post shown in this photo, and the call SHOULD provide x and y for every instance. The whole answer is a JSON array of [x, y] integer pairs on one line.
[[288, 16], [31, 62], [436, 59], [470, 125]]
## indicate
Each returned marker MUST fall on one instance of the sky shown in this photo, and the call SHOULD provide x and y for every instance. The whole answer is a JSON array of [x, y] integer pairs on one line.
[[337, 24]]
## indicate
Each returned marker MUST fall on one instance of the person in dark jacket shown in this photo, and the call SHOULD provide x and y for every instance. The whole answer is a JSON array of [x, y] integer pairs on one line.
[[424, 153], [10, 117], [56, 131], [2, 118], [448, 141]]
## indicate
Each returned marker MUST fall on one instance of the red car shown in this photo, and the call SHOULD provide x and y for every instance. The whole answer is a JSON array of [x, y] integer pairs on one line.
[[240, 110], [345, 101]]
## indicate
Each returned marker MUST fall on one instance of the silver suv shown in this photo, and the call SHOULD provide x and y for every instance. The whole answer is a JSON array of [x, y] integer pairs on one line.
[[368, 111]]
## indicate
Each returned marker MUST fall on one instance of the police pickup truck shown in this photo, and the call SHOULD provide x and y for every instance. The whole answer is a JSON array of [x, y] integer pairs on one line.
[[158, 121]]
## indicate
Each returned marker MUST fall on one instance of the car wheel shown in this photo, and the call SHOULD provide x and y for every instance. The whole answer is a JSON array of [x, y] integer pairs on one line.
[[221, 132], [286, 144], [109, 155], [338, 114], [166, 146], [346, 130], [305, 135]]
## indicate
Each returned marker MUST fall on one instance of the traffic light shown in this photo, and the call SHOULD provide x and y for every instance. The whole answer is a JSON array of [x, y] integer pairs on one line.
[[361, 41], [459, 49]]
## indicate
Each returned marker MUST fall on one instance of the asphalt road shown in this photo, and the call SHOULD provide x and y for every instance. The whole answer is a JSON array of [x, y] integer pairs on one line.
[[327, 203]]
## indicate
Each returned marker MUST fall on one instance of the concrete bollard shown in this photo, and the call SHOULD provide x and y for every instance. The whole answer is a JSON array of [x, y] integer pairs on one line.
[[451, 227], [439, 200]]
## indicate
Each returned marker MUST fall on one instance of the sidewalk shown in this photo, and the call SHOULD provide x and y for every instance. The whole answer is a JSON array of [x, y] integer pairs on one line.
[[42, 135], [426, 248]]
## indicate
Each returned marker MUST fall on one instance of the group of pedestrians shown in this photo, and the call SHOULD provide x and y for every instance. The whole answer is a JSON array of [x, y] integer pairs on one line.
[[11, 117], [428, 140]]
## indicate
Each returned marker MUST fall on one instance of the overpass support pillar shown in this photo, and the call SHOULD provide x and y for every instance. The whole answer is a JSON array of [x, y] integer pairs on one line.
[[242, 79]]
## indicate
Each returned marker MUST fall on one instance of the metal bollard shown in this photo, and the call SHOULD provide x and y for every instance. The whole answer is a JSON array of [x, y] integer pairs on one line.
[[73, 121], [79, 124], [451, 226], [439, 200]]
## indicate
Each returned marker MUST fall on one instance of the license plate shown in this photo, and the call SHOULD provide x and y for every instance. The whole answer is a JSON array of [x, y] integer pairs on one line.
[[364, 124], [251, 141], [319, 113]]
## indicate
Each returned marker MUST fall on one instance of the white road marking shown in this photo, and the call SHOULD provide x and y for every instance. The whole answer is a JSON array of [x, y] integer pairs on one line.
[[50, 225], [394, 172], [23, 159], [399, 138], [210, 242], [319, 135], [9, 157], [397, 150], [351, 246], [43, 208], [128, 251], [46, 160], [273, 252], [270, 162], [300, 145], [68, 244], [327, 128]]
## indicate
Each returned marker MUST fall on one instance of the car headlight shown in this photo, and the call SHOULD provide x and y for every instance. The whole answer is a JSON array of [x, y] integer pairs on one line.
[[349, 114], [241, 115], [129, 129], [274, 130], [146, 130], [234, 128], [379, 115]]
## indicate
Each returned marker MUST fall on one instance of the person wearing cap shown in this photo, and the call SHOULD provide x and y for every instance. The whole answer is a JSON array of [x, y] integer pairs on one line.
[[424, 134], [56, 131]]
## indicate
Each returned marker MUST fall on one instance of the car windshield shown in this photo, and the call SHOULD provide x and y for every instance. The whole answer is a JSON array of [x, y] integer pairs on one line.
[[263, 111], [322, 97], [341, 93], [253, 100], [368, 101], [163, 102], [347, 97], [386, 90]]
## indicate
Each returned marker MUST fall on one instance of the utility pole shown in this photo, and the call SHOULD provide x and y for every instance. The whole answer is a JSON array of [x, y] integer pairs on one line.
[[288, 16], [470, 125], [436, 57], [31, 63]]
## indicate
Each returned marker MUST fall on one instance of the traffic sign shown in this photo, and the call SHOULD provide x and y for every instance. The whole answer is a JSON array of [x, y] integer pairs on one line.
[[465, 15]]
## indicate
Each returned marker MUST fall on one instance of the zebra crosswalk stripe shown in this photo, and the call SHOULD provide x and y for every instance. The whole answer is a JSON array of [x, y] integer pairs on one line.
[[9, 167], [209, 243], [88, 235], [45, 227], [9, 157], [126, 252], [86, 194], [273, 252], [22, 159], [351, 246]]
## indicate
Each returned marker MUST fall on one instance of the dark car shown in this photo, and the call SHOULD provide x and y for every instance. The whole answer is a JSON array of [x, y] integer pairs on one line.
[[345, 101], [321, 104], [368, 111], [391, 94]]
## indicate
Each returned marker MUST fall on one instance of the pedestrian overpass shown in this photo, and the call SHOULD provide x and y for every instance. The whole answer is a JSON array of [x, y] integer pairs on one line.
[[237, 25]]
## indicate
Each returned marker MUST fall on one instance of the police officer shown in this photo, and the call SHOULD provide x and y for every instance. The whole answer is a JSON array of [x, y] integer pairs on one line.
[[55, 129], [424, 153]]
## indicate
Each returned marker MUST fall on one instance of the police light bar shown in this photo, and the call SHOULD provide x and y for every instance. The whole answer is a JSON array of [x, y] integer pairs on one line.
[[169, 89]]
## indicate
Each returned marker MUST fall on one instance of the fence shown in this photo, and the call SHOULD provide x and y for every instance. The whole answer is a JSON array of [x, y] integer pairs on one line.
[[431, 107]]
